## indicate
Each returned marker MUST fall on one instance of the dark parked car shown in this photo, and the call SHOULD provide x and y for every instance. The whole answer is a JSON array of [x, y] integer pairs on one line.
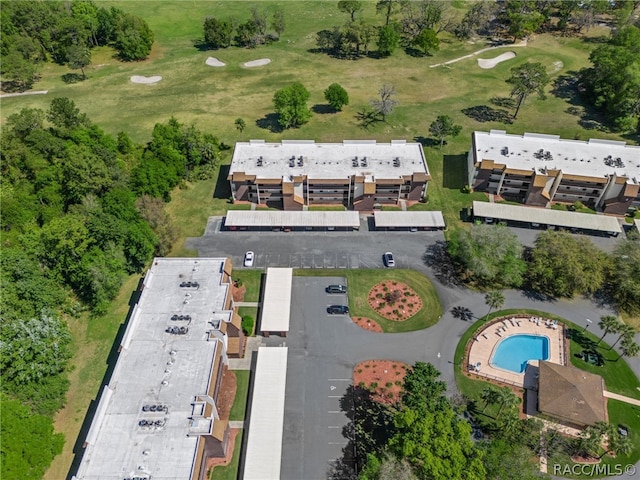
[[338, 310], [336, 289]]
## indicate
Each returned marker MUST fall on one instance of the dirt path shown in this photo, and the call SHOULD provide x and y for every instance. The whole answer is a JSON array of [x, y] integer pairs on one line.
[[522, 43], [35, 92]]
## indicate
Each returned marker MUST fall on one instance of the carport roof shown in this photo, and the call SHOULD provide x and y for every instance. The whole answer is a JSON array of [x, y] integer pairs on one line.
[[280, 218], [266, 423], [545, 216], [409, 219], [276, 304]]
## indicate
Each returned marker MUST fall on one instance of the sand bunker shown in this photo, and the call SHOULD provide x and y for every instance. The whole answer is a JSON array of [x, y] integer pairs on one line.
[[214, 62], [141, 79], [492, 62], [257, 63]]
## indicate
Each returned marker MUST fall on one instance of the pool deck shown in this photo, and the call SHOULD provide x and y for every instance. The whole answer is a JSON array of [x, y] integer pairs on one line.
[[486, 339]]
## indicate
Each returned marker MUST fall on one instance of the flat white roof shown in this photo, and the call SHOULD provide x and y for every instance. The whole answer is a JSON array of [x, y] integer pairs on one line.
[[264, 442], [546, 216], [155, 367], [409, 219], [594, 158], [328, 160], [276, 303], [287, 218]]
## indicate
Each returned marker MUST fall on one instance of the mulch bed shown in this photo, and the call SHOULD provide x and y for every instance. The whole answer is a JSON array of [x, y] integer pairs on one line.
[[227, 394], [223, 462], [238, 292], [367, 324], [384, 378], [394, 300]]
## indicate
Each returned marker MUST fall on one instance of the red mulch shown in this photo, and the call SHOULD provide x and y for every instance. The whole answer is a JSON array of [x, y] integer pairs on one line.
[[227, 394], [405, 306], [387, 374], [238, 292], [367, 324], [214, 462]]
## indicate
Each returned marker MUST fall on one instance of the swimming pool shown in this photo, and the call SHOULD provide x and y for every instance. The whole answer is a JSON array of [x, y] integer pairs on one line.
[[514, 352]]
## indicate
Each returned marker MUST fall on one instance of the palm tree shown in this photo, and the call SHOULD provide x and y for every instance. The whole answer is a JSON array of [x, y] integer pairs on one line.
[[608, 323], [628, 348], [509, 423], [495, 299], [589, 441], [490, 395], [617, 443], [507, 399], [624, 331]]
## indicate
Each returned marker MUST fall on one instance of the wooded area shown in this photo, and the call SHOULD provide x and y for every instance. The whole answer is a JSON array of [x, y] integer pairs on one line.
[[81, 210]]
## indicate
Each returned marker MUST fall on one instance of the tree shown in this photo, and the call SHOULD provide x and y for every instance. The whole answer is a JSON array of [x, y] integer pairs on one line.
[[427, 41], [608, 323], [154, 213], [387, 103], [18, 74], [628, 347], [64, 114], [432, 436], [526, 79], [336, 96], [217, 33], [291, 105], [623, 331], [388, 39], [494, 300], [442, 127], [613, 83], [28, 441], [240, 124], [489, 395], [489, 255], [507, 399], [624, 278], [387, 7], [33, 349], [351, 7], [278, 22], [134, 39], [562, 265], [79, 58]]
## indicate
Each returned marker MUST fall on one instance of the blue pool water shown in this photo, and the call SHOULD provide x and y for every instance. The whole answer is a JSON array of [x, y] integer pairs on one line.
[[514, 352]]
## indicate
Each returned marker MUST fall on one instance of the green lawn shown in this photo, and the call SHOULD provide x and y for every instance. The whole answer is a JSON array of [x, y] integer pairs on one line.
[[362, 280], [230, 472], [250, 279], [240, 402]]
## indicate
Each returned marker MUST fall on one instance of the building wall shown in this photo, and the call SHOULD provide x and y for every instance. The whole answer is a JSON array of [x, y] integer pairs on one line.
[[329, 192]]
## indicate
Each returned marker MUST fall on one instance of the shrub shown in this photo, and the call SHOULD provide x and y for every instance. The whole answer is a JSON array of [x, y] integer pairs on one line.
[[389, 384], [374, 385], [407, 293], [247, 325]]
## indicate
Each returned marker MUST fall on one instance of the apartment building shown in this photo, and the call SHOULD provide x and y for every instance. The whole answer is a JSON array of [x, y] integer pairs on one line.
[[358, 174], [158, 416], [538, 169]]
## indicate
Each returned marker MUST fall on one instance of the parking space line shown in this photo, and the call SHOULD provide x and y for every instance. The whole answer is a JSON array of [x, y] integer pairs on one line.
[[339, 379], [337, 443], [334, 411], [334, 396], [331, 426]]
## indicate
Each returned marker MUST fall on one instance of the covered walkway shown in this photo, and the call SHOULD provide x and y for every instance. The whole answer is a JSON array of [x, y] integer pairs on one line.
[[264, 442]]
